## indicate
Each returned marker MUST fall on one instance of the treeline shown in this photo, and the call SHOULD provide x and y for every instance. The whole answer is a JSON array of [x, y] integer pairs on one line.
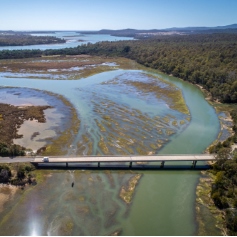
[[17, 54], [11, 150], [224, 189], [20, 174], [26, 39]]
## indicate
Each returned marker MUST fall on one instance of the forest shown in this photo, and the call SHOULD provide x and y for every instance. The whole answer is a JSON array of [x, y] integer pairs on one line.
[[26, 39]]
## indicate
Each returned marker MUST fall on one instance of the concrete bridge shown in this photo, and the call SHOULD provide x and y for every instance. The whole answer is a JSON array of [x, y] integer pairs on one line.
[[99, 160]]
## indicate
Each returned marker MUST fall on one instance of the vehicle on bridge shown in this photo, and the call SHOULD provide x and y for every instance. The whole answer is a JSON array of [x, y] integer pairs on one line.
[[45, 159]]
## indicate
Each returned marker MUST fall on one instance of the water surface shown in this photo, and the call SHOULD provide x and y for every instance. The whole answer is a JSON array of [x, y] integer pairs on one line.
[[164, 202], [73, 39]]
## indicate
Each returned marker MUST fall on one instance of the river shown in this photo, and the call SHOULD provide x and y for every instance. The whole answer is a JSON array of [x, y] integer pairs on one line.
[[164, 201]]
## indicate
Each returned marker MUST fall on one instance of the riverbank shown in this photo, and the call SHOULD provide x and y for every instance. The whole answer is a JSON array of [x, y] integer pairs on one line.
[[205, 192], [207, 213]]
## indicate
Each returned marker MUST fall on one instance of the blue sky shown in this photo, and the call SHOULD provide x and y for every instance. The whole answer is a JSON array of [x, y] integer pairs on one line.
[[114, 14]]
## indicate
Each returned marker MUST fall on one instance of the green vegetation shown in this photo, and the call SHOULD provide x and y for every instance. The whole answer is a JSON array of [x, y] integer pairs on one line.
[[12, 117], [17, 174], [224, 189], [127, 192], [26, 39], [167, 91], [11, 150], [205, 59], [226, 145], [208, 60]]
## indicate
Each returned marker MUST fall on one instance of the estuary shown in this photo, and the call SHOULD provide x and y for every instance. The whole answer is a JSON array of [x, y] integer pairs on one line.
[[122, 110]]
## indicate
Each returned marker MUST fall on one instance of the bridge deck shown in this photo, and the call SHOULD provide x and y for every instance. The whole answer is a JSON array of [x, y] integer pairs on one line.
[[157, 158]]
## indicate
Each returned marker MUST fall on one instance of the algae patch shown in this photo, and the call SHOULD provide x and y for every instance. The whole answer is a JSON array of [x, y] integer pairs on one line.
[[127, 192], [208, 215]]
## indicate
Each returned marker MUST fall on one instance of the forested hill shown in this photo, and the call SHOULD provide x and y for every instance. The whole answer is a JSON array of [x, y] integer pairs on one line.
[[209, 60]]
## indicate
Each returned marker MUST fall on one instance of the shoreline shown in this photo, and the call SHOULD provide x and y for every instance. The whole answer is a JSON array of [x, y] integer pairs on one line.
[[52, 139], [204, 203], [206, 180]]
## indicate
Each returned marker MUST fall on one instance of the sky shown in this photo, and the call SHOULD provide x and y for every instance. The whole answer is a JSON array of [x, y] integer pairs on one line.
[[114, 14]]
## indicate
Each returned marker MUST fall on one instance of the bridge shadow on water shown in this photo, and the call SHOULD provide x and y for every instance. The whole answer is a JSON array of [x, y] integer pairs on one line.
[[62, 166]]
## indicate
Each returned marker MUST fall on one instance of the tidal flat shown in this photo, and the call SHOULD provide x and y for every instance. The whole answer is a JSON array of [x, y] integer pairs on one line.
[[116, 111], [62, 67], [35, 119]]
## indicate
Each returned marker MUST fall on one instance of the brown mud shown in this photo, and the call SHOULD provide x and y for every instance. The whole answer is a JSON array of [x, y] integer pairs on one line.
[[63, 67], [12, 117]]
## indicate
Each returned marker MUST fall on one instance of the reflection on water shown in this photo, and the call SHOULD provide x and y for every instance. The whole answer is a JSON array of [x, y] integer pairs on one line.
[[91, 207]]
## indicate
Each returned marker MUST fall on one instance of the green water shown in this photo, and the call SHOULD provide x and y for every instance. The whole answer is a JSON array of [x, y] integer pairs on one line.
[[164, 201]]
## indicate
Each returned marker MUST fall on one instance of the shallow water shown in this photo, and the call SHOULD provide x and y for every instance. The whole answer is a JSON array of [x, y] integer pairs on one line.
[[56, 118], [164, 202], [70, 41], [81, 209]]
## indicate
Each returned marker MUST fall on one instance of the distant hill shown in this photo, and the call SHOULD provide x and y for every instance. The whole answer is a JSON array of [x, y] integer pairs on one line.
[[233, 26], [169, 31]]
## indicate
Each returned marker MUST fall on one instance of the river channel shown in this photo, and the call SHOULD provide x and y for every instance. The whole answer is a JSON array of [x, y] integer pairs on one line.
[[164, 200]]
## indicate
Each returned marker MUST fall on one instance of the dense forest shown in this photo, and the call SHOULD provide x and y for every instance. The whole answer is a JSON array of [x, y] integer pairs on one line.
[[224, 192], [26, 39]]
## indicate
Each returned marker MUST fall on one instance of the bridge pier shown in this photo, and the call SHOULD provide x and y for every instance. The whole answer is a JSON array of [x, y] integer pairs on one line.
[[66, 164], [194, 163], [162, 164], [130, 165], [98, 164]]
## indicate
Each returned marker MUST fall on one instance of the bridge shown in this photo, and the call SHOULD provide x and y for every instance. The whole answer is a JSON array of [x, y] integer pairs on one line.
[[138, 160]]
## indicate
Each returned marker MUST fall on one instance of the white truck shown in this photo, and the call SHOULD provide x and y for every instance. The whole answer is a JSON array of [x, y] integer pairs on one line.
[[45, 159]]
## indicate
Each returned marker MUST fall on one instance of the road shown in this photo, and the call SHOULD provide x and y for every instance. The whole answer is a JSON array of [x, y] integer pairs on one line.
[[16, 159], [91, 159]]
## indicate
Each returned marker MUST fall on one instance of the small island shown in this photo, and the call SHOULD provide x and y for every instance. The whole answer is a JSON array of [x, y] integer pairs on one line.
[[15, 39]]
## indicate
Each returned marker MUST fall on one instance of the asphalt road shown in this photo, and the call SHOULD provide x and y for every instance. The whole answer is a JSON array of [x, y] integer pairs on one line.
[[91, 159], [15, 159]]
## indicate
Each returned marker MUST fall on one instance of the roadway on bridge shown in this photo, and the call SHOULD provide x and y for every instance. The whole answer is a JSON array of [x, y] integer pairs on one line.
[[157, 158], [16, 159]]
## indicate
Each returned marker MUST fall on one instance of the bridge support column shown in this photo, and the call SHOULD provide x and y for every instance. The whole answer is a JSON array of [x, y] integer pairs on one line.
[[98, 164], [194, 163], [67, 164], [162, 164], [130, 165]]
